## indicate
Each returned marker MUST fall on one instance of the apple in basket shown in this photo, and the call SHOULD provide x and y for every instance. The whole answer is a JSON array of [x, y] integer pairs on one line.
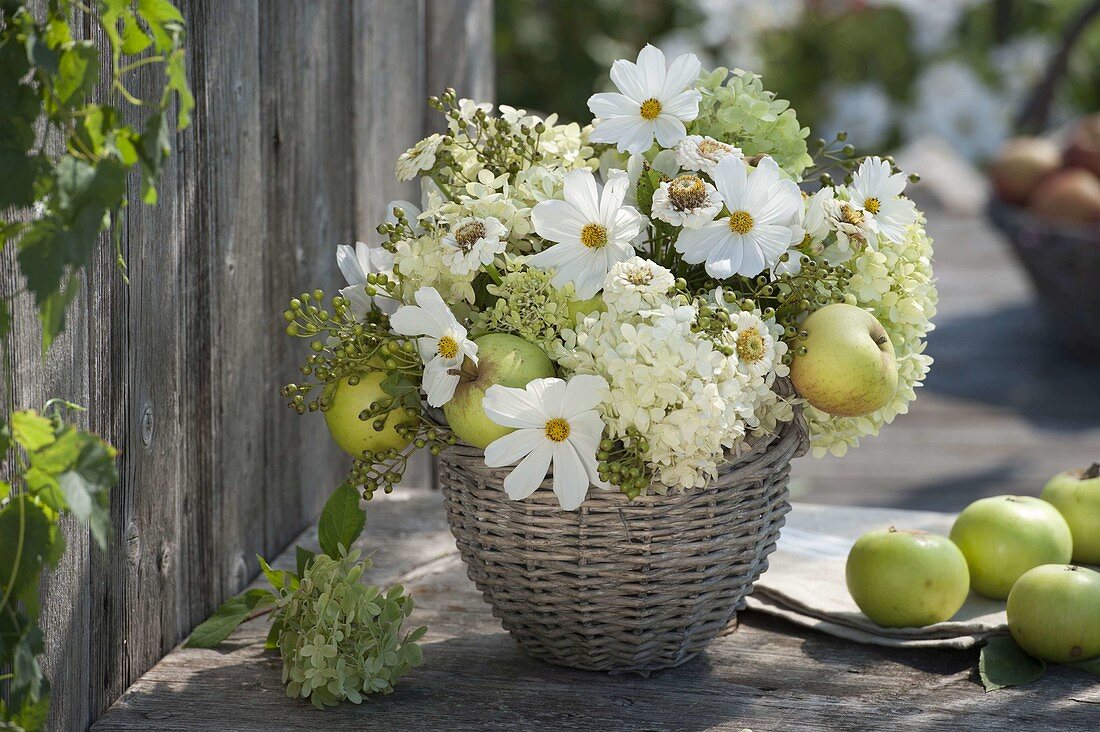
[[1071, 195], [1054, 613], [502, 359], [348, 401], [905, 579], [849, 368], [1021, 164], [1004, 536], [1076, 495]]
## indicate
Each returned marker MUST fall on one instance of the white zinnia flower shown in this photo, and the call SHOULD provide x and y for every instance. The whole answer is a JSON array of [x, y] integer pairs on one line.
[[755, 344], [473, 242], [877, 190], [954, 104], [555, 422], [764, 219], [355, 264], [442, 343], [687, 201], [420, 156], [697, 152], [635, 283], [592, 231], [654, 101]]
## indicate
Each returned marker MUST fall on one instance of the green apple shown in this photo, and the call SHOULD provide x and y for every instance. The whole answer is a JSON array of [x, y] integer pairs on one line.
[[501, 359], [586, 307], [903, 579], [354, 435], [1004, 536], [849, 368], [1054, 613], [1076, 495]]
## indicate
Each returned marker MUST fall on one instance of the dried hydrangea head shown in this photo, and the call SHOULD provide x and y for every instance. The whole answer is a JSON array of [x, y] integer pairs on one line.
[[339, 639]]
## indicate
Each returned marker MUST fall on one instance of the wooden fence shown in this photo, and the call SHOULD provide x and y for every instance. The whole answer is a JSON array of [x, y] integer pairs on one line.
[[302, 109]]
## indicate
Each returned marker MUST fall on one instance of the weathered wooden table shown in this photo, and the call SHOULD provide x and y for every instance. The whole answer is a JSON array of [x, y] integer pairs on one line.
[[1002, 411]]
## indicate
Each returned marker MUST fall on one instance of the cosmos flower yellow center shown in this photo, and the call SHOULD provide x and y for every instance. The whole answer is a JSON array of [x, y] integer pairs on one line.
[[741, 222], [750, 345], [687, 192], [593, 236], [651, 109], [872, 204], [557, 429], [468, 234], [448, 347], [851, 215]]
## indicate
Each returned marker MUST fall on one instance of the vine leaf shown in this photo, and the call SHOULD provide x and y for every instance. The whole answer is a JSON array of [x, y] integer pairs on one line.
[[1003, 663], [341, 522], [304, 557], [226, 618], [22, 517]]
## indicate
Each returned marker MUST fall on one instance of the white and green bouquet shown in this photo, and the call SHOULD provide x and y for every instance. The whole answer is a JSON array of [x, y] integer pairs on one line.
[[625, 302]]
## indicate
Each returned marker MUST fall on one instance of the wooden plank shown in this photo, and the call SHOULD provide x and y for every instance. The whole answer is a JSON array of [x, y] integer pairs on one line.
[[307, 128], [768, 675], [458, 42]]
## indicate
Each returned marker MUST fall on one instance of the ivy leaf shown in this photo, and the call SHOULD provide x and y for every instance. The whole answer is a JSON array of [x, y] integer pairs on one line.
[[304, 558], [342, 520], [23, 518], [31, 430], [1003, 663], [77, 74], [153, 148], [165, 21], [134, 39], [176, 71], [20, 643], [226, 618]]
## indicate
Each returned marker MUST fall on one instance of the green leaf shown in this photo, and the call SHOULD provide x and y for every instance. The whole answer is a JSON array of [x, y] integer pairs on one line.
[[342, 520], [51, 313], [20, 644], [165, 21], [1003, 663], [397, 385], [304, 558], [31, 430], [277, 577], [76, 76], [88, 503], [28, 532], [134, 39], [176, 71], [225, 620]]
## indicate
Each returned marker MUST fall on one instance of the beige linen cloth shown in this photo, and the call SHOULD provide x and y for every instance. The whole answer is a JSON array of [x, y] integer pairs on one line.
[[805, 579]]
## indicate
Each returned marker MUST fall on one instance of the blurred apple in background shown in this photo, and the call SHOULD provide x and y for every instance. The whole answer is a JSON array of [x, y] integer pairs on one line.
[[1071, 195], [1004, 536], [1076, 495], [1020, 165], [1083, 146], [849, 368], [1054, 613]]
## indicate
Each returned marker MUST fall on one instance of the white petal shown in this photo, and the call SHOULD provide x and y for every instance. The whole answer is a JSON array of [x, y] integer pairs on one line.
[[583, 393], [511, 407], [771, 240], [439, 383], [526, 477], [508, 449], [669, 130], [651, 65], [350, 266], [684, 106], [730, 177], [557, 221], [759, 185], [570, 477], [433, 306], [610, 104], [581, 193], [630, 134], [428, 347], [611, 199], [628, 223], [558, 255], [627, 78], [411, 320], [682, 73], [696, 244], [549, 395], [725, 259], [587, 275]]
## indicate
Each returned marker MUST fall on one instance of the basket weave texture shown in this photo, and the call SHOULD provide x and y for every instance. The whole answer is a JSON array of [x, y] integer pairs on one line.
[[620, 585]]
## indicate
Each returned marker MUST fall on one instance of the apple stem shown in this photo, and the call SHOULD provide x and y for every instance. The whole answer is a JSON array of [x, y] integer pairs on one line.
[[882, 339], [1092, 472], [468, 371]]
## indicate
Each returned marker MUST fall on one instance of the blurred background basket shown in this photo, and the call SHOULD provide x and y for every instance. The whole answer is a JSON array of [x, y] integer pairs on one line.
[[1063, 262], [620, 585]]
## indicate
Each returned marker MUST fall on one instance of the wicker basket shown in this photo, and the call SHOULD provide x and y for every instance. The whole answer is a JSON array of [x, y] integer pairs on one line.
[[620, 585], [1063, 262]]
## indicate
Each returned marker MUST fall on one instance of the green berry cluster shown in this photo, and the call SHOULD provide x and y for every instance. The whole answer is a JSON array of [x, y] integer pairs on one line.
[[385, 468], [622, 463]]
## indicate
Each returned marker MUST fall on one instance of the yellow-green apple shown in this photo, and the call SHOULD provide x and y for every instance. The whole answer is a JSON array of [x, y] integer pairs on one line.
[[354, 436], [593, 304], [904, 579], [1071, 195], [1076, 495], [1054, 613], [1083, 145], [1019, 166], [502, 359], [1004, 536], [849, 368]]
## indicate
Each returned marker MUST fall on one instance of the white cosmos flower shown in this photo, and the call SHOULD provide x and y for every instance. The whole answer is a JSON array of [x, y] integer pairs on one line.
[[877, 190], [653, 101], [420, 156], [442, 343], [592, 231], [686, 200], [698, 152], [472, 243], [765, 212], [355, 264], [555, 422]]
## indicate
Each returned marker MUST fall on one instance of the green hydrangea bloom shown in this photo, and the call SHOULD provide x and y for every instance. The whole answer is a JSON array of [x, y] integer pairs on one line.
[[737, 109], [896, 284], [527, 305], [340, 639]]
